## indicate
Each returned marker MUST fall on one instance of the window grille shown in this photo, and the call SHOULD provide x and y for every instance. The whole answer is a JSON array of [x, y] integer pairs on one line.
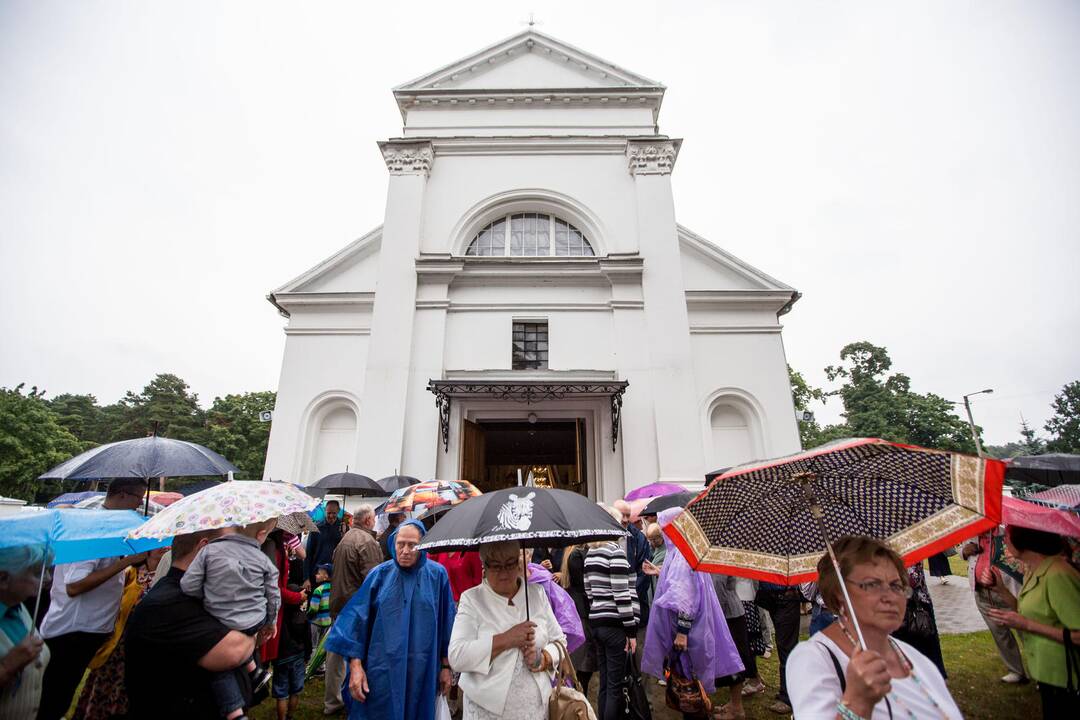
[[530, 343]]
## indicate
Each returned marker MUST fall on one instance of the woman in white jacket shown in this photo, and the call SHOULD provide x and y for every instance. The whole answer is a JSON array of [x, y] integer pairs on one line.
[[506, 662]]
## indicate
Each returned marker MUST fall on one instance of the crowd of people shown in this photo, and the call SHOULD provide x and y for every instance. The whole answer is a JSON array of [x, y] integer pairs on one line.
[[227, 616]]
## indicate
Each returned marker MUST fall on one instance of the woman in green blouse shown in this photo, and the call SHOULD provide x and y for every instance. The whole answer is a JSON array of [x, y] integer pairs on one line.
[[1047, 607]]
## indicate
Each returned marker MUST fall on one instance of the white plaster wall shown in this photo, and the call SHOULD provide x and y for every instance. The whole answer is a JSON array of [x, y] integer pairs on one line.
[[751, 368], [601, 183], [576, 340], [313, 367]]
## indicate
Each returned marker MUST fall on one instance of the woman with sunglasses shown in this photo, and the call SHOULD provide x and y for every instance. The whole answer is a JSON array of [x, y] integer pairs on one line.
[[506, 658], [830, 676]]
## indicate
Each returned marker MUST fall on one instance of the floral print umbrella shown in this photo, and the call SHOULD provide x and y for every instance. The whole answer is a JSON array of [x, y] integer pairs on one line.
[[430, 494], [236, 503]]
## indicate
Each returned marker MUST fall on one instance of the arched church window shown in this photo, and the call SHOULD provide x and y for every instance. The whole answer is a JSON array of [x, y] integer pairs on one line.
[[530, 235]]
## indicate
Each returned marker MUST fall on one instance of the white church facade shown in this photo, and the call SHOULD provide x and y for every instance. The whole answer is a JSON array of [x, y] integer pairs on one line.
[[530, 301]]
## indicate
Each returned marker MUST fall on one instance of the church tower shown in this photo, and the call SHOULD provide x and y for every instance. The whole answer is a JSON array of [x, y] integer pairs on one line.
[[530, 300]]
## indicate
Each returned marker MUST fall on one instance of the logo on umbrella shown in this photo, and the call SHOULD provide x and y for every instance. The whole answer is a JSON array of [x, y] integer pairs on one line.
[[516, 513]]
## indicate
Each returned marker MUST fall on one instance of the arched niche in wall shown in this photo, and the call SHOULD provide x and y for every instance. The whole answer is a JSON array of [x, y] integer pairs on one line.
[[733, 429], [330, 437]]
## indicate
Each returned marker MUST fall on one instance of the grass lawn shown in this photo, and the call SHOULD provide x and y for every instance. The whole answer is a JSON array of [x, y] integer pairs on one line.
[[972, 661]]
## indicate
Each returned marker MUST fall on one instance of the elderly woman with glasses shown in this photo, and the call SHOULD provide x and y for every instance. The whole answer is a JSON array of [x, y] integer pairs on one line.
[[831, 676], [23, 654], [506, 660]]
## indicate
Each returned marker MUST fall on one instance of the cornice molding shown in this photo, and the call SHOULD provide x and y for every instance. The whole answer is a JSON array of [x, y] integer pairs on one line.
[[735, 329], [328, 331], [408, 157], [651, 156]]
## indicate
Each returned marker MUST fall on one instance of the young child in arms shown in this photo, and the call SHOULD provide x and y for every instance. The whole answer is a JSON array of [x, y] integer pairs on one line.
[[238, 585]]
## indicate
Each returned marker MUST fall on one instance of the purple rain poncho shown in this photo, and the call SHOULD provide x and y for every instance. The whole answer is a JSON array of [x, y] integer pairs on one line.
[[710, 652], [561, 604]]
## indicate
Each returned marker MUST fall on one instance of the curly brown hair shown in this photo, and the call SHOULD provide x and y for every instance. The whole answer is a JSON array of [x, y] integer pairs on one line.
[[852, 550]]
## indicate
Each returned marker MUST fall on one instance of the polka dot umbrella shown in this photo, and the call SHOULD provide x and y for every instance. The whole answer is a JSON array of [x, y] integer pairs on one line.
[[772, 520]]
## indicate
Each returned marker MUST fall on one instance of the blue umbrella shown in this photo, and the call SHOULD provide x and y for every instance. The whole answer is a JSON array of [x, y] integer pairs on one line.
[[73, 498], [74, 535], [68, 535]]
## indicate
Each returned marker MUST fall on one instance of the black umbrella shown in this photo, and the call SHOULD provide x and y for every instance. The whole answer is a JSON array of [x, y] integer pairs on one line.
[[1052, 469], [197, 487], [709, 477], [534, 517], [666, 502], [146, 457], [396, 482], [347, 483]]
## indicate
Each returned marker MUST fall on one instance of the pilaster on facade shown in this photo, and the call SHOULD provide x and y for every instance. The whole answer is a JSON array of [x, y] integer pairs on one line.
[[408, 157], [652, 156]]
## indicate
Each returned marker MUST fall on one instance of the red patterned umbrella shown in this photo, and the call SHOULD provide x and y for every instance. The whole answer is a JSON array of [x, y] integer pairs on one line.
[[772, 520], [755, 520]]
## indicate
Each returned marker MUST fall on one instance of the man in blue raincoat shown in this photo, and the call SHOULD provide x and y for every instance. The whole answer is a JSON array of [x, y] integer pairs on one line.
[[395, 634]]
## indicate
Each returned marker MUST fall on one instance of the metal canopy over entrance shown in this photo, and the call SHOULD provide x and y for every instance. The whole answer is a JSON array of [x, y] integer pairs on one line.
[[525, 392]]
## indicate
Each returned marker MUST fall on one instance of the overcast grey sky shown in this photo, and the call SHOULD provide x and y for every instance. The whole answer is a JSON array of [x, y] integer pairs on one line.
[[912, 167]]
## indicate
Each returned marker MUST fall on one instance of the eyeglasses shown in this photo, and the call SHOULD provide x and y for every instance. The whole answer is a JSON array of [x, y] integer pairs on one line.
[[878, 587], [501, 567]]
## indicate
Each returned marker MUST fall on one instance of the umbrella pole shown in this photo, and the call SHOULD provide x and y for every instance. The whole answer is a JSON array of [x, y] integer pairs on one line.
[[525, 580], [41, 585], [818, 514], [146, 507]]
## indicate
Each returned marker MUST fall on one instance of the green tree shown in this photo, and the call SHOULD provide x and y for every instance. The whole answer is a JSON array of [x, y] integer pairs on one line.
[[167, 402], [82, 417], [32, 440], [1064, 426], [879, 404], [803, 393], [233, 429]]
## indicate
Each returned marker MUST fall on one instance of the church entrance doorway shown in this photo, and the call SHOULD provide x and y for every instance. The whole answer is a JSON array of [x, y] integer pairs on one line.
[[547, 452]]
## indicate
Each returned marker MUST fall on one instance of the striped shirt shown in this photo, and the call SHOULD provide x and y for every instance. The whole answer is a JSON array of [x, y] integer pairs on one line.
[[319, 606], [609, 585]]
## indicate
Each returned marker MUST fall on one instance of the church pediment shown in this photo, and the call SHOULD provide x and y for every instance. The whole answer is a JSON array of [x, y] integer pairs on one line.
[[708, 268], [528, 61], [352, 269]]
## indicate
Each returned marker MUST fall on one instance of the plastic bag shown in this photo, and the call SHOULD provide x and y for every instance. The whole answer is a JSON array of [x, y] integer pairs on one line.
[[442, 708]]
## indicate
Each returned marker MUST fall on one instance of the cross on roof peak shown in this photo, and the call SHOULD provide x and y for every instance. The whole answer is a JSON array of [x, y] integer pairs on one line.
[[532, 21]]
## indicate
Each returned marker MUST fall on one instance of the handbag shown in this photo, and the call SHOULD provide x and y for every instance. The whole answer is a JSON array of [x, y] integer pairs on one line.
[[1072, 663], [568, 702], [634, 699], [685, 694], [918, 619]]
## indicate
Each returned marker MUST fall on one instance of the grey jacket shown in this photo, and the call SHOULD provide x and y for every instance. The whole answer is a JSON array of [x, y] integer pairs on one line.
[[724, 585], [236, 581]]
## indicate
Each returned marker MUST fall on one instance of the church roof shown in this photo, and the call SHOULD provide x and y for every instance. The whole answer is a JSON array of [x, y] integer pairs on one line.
[[527, 64]]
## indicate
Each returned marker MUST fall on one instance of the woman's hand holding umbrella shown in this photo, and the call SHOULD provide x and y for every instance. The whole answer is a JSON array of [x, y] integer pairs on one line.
[[868, 681]]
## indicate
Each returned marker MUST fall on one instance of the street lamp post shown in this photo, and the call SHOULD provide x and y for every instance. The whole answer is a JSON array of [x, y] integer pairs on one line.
[[971, 420]]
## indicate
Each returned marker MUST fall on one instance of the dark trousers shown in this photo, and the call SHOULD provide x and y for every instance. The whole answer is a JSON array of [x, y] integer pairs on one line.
[[611, 657], [70, 654], [785, 614], [1057, 702]]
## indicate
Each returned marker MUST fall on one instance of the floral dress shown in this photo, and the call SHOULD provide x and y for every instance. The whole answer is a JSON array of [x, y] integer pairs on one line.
[[104, 694]]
